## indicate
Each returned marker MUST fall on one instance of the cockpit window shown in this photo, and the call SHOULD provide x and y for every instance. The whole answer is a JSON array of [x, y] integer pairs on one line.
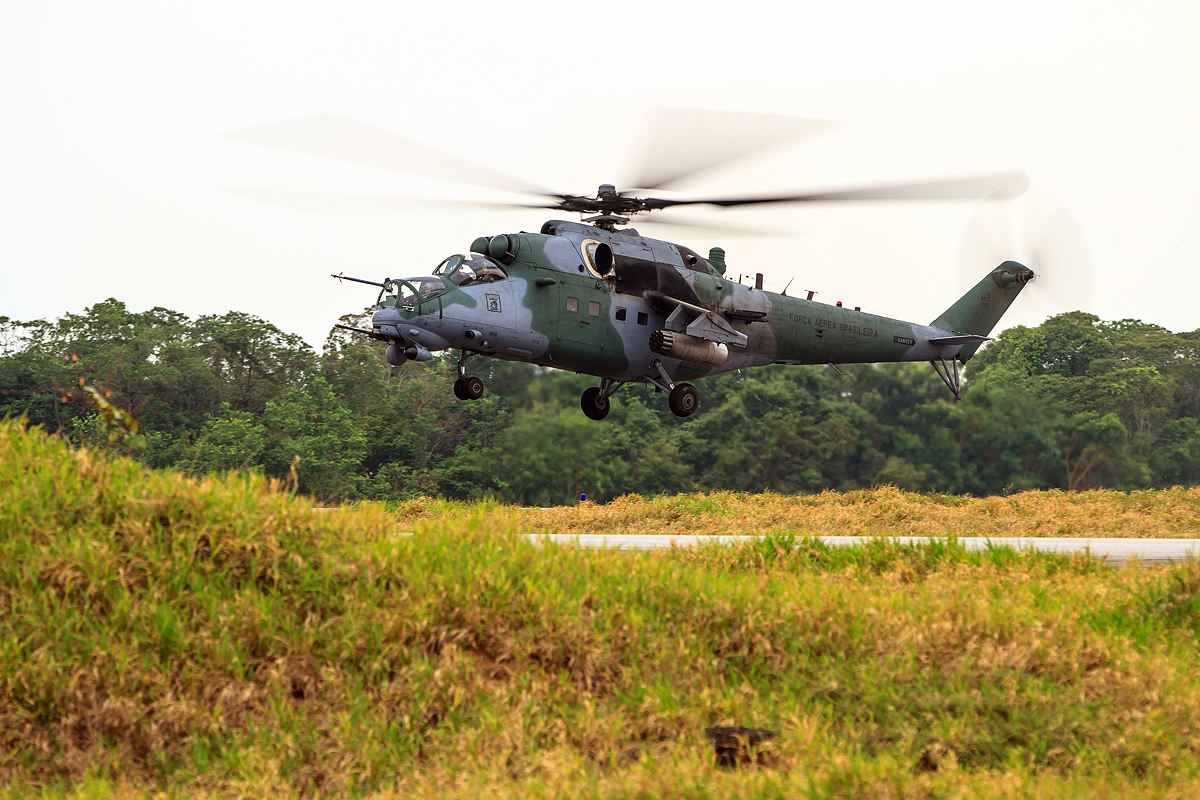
[[393, 290], [426, 287], [448, 266], [465, 270], [387, 296]]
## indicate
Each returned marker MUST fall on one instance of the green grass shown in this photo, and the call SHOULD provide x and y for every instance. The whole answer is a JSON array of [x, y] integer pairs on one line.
[[218, 637]]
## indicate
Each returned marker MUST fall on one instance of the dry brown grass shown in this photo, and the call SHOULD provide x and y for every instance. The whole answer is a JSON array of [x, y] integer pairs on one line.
[[887, 511]]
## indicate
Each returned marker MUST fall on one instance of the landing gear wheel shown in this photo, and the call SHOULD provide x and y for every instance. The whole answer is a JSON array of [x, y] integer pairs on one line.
[[593, 405], [459, 391], [472, 388], [683, 400]]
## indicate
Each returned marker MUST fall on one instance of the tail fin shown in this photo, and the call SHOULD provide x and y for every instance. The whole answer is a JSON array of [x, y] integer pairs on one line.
[[978, 311]]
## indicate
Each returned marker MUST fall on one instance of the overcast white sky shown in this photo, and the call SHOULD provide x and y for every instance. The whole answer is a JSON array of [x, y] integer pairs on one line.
[[112, 161]]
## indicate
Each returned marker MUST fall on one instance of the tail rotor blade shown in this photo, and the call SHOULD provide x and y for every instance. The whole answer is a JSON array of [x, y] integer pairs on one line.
[[1039, 231], [1057, 244]]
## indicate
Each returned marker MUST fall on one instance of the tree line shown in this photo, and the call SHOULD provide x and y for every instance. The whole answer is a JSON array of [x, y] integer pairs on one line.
[[1073, 403]]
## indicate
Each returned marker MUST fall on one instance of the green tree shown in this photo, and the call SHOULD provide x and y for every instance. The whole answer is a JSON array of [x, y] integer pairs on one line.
[[310, 422], [1067, 344], [233, 441], [550, 454], [253, 361], [1175, 461], [1092, 449]]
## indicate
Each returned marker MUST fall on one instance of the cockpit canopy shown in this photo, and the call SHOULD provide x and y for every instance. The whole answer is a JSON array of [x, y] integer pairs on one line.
[[469, 269], [408, 290], [458, 270]]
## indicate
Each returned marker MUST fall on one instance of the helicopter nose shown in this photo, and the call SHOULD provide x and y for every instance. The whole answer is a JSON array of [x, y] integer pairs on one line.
[[387, 321]]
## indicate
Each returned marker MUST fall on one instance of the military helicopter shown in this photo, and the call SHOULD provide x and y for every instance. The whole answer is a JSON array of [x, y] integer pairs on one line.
[[598, 298]]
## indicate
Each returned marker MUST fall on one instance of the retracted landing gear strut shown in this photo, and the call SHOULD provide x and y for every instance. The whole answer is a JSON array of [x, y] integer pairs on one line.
[[594, 401], [467, 388]]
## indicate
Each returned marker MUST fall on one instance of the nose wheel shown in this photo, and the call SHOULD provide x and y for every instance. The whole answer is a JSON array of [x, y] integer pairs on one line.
[[467, 388]]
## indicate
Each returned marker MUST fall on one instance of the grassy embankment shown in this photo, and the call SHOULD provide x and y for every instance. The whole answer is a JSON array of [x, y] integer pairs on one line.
[[162, 634]]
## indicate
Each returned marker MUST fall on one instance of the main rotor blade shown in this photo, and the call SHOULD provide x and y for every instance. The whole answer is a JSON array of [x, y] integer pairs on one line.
[[332, 203], [356, 142], [1001, 186], [680, 143], [703, 226]]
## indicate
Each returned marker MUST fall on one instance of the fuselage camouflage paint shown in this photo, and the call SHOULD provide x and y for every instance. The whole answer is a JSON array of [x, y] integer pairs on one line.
[[556, 309]]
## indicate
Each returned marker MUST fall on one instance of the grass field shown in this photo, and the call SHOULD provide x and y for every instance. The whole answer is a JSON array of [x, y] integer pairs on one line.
[[160, 635]]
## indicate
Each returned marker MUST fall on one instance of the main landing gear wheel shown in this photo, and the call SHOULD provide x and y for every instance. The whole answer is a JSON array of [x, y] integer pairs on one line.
[[594, 406], [468, 388], [683, 400]]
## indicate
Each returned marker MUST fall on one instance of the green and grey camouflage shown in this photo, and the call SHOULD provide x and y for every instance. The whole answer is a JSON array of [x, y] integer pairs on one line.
[[630, 309]]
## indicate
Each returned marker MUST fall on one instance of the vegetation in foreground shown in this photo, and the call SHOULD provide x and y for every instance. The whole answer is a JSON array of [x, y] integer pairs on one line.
[[218, 636]]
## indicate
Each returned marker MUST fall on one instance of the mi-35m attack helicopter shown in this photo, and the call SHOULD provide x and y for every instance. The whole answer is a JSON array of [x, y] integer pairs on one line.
[[596, 297]]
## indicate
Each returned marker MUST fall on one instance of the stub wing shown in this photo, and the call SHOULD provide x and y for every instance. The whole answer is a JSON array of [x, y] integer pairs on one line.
[[696, 321], [964, 339]]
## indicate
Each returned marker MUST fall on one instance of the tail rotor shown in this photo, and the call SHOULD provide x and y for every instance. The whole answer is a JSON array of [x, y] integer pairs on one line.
[[1037, 230]]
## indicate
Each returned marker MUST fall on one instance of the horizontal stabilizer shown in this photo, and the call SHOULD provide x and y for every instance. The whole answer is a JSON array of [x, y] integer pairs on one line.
[[965, 339]]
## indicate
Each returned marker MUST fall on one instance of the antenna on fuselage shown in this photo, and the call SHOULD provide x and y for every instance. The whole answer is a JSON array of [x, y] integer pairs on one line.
[[789, 283]]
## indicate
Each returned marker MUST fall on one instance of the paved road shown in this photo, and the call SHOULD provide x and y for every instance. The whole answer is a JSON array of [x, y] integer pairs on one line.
[[1117, 551]]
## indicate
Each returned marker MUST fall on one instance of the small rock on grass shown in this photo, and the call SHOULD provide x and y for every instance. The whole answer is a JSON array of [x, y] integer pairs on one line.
[[736, 746]]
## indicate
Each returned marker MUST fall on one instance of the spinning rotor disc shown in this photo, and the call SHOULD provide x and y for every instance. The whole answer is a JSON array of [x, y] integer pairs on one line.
[[680, 145]]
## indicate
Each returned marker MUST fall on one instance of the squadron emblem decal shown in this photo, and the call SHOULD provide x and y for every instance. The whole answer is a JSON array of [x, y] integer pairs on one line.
[[493, 302]]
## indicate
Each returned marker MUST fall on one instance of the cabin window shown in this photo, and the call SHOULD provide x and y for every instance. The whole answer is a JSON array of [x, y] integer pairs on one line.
[[572, 304], [593, 308], [621, 314], [643, 318]]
